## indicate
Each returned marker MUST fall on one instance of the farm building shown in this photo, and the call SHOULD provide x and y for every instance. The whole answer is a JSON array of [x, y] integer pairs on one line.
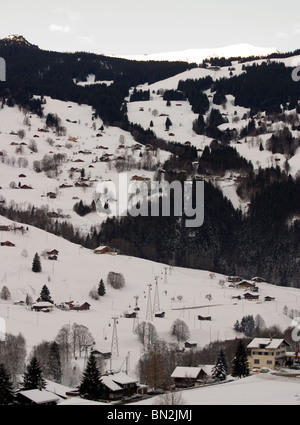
[[7, 243], [244, 284], [103, 249], [250, 297], [204, 317]]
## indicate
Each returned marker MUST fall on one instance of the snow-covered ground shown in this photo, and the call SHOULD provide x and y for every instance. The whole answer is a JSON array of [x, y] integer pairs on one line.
[[79, 270], [258, 389]]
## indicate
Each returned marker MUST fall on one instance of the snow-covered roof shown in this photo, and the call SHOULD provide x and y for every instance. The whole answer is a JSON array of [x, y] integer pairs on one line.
[[40, 396], [266, 343], [42, 304], [186, 372], [58, 389], [122, 378], [101, 247], [109, 383]]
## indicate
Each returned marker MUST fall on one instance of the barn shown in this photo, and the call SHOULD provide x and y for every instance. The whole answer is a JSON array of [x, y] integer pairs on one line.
[[104, 249]]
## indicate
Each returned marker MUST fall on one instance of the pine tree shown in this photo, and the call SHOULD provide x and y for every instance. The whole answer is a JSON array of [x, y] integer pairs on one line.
[[240, 366], [220, 369], [33, 377], [101, 288], [90, 386], [54, 362], [45, 294], [36, 265], [6, 387]]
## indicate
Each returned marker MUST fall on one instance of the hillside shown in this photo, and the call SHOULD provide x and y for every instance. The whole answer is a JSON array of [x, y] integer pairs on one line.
[[78, 270]]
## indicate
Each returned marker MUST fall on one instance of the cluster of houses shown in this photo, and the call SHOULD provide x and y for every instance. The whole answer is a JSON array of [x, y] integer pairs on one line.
[[250, 286], [263, 353]]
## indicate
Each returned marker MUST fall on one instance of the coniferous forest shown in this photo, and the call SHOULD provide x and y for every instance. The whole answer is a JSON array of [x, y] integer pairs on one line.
[[265, 242]]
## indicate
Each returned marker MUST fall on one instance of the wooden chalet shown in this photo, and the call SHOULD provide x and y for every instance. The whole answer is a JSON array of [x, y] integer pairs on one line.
[[7, 243], [188, 376], [115, 386], [250, 297], [234, 279], [204, 317], [37, 397], [189, 344], [101, 353], [268, 298], [43, 306], [245, 284], [52, 252], [104, 249], [4, 228], [84, 306]]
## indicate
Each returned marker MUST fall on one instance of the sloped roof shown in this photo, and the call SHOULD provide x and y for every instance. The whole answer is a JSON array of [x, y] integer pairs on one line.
[[122, 378], [186, 372], [267, 343], [109, 383], [40, 396]]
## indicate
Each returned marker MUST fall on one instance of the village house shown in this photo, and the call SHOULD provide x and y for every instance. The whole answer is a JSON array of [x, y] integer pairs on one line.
[[38, 397], [104, 249], [101, 353], [267, 352], [250, 297], [53, 252], [4, 228], [84, 306], [43, 306], [244, 284], [204, 317], [188, 376], [115, 386]]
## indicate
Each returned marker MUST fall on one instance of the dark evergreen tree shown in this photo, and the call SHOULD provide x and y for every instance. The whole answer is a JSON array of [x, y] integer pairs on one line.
[[6, 387], [45, 294], [54, 362], [36, 265], [101, 288], [33, 377], [168, 123], [90, 386], [240, 366], [220, 369]]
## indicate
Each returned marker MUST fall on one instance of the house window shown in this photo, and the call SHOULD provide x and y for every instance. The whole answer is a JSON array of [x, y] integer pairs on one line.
[[269, 362], [256, 361]]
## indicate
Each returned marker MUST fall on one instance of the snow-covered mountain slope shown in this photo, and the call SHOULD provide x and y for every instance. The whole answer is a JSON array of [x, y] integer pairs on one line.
[[78, 270], [197, 55], [84, 144]]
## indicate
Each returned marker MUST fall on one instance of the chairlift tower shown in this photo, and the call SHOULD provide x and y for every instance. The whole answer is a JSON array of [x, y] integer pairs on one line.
[[136, 297], [165, 275], [149, 313], [135, 324], [114, 340], [156, 304]]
